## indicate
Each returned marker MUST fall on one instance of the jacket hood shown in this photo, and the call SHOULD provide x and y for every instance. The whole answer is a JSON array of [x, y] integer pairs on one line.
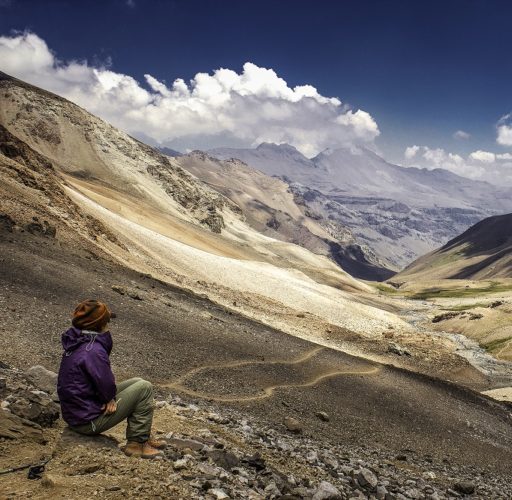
[[73, 338]]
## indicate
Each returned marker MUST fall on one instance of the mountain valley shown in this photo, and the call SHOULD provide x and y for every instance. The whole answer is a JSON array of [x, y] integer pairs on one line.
[[235, 285]]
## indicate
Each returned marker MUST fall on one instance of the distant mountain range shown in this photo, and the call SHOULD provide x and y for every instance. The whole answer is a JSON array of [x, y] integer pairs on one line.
[[400, 213], [483, 251], [169, 151], [275, 210]]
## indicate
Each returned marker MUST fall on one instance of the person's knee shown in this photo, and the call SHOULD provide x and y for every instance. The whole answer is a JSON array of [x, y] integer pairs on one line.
[[145, 385]]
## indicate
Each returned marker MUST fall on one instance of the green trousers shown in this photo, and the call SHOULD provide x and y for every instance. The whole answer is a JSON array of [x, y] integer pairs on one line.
[[135, 404]]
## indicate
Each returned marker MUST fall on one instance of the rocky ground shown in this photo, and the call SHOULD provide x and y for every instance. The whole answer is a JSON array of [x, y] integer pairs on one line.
[[212, 453], [235, 387]]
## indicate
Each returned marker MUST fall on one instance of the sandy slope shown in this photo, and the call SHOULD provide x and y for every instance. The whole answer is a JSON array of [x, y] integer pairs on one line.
[[261, 288]]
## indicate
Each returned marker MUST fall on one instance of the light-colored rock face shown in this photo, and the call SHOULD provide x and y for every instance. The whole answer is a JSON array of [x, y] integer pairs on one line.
[[400, 213], [85, 147]]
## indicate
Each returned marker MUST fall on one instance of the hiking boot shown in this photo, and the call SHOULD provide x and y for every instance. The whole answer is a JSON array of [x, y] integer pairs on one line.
[[133, 449], [142, 450], [149, 451], [157, 443]]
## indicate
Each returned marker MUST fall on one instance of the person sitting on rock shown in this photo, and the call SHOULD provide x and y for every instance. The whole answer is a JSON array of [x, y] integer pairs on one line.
[[90, 400]]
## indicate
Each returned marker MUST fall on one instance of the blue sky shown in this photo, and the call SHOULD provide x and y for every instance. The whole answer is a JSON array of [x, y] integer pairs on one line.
[[422, 70]]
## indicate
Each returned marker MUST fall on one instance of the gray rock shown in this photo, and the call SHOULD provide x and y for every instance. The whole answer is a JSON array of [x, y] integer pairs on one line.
[[114, 487], [14, 427], [397, 349], [326, 491], [182, 444], [381, 492], [432, 496], [293, 425], [367, 479], [224, 459], [464, 487], [413, 493], [271, 490], [70, 440], [346, 470], [329, 460], [208, 470], [452, 493], [43, 379], [322, 416], [35, 406], [180, 464], [218, 493]]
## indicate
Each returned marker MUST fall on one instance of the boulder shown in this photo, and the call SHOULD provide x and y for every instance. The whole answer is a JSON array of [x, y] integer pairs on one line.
[[43, 379], [464, 487], [71, 440], [14, 427], [326, 491], [35, 406], [367, 479]]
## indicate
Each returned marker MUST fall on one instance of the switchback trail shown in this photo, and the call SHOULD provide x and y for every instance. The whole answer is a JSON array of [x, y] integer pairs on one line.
[[267, 391]]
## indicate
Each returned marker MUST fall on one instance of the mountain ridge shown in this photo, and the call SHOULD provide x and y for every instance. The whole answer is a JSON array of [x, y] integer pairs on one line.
[[484, 251], [401, 213], [274, 210]]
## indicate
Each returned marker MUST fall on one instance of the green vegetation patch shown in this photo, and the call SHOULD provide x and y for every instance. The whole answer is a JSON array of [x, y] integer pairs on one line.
[[387, 289], [434, 293], [465, 307], [495, 344]]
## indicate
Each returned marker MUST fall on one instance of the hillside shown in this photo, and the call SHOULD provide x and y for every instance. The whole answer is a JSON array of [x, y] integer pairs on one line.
[[484, 251], [273, 209], [164, 221], [400, 213]]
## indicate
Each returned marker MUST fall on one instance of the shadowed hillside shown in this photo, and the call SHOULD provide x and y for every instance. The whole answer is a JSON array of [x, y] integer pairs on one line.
[[484, 251]]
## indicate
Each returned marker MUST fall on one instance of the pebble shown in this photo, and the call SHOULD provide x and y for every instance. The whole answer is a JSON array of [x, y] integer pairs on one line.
[[114, 487], [322, 416]]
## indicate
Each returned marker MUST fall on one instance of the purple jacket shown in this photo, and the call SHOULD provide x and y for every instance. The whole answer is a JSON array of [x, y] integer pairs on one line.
[[86, 381]]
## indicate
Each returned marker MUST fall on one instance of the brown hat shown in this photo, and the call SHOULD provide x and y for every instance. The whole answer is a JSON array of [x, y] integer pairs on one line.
[[91, 315]]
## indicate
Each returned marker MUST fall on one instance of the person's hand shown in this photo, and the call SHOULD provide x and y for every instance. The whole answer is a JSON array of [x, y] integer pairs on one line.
[[110, 407]]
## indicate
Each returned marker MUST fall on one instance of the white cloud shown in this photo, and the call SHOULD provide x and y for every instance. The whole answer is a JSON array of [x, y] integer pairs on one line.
[[481, 165], [130, 3], [460, 134], [248, 108], [411, 151], [504, 156], [483, 156], [504, 130], [432, 158]]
